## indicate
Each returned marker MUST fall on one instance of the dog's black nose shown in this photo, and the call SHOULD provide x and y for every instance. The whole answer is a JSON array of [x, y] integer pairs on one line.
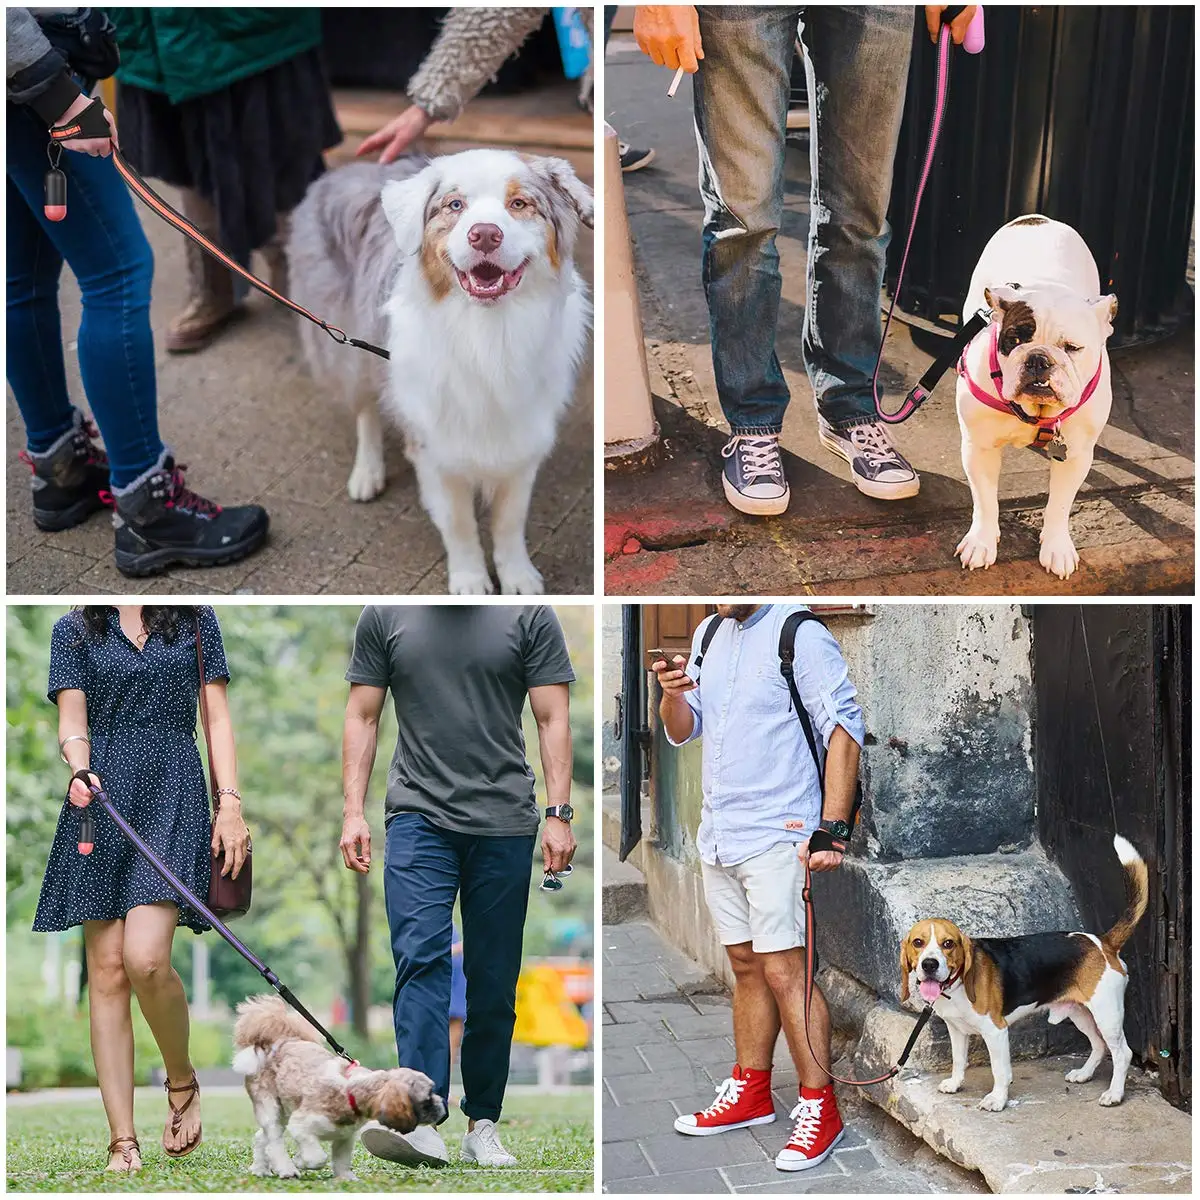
[[1037, 363], [929, 966], [485, 238]]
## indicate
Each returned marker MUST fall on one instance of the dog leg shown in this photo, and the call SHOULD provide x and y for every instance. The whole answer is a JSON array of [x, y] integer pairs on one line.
[[266, 1113], [309, 1152], [510, 513], [368, 476], [343, 1151], [1110, 1020], [1058, 554], [978, 547], [260, 1166], [450, 502], [996, 1041], [958, 1058], [1083, 1020]]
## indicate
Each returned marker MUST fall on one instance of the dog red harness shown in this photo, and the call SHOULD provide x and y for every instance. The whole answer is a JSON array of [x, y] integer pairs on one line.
[[1049, 429], [350, 1094]]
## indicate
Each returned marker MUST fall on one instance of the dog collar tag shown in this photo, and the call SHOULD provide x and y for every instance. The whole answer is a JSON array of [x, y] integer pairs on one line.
[[1056, 448]]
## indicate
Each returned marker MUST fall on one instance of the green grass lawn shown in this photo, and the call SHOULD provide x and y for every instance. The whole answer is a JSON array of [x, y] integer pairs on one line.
[[55, 1147]]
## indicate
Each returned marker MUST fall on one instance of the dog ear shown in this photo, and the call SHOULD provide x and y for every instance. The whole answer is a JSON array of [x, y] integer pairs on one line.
[[1105, 309], [565, 187], [905, 968], [406, 204], [1000, 298], [968, 975], [395, 1105]]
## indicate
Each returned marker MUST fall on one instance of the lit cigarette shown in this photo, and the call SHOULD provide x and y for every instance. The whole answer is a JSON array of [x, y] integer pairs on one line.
[[675, 83]]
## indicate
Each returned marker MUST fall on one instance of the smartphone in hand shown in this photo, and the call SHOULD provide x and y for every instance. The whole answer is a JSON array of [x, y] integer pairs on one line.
[[675, 662]]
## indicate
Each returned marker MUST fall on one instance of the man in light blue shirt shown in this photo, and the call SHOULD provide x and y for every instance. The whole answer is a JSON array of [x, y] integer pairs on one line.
[[762, 801]]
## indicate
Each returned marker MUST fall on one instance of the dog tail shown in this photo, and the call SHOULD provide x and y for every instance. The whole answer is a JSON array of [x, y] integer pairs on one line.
[[264, 1021], [249, 1060], [1137, 893]]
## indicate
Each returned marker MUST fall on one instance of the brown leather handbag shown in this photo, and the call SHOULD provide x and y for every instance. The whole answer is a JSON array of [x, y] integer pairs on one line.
[[227, 897]]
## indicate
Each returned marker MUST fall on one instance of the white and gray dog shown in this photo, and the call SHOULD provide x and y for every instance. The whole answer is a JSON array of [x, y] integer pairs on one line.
[[463, 267]]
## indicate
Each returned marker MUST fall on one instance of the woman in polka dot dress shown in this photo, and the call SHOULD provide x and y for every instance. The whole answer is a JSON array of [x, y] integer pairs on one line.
[[126, 678]]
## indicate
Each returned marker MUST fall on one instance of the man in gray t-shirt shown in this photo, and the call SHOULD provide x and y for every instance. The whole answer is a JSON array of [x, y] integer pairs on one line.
[[461, 821]]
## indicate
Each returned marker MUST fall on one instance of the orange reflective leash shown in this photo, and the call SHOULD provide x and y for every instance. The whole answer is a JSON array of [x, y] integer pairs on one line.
[[83, 125]]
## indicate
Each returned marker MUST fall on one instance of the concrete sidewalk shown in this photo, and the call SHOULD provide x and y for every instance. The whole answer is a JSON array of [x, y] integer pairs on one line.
[[666, 1046], [670, 531], [247, 419]]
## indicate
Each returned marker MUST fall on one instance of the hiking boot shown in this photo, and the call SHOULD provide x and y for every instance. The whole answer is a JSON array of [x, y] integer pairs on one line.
[[211, 304], [482, 1145], [817, 1130], [160, 523], [753, 476], [633, 159], [70, 480], [744, 1099], [876, 466]]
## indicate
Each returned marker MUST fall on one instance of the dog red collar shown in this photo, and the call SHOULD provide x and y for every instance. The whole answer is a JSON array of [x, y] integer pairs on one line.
[[349, 1092], [1048, 428]]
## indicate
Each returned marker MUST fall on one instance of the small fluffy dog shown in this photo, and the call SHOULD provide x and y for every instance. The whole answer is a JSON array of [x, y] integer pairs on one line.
[[1037, 375], [293, 1081], [983, 985], [463, 267]]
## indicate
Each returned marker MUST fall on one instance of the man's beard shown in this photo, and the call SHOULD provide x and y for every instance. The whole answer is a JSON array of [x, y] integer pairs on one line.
[[739, 612]]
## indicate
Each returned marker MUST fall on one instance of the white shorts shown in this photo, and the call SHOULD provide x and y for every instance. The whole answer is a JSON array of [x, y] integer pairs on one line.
[[760, 901]]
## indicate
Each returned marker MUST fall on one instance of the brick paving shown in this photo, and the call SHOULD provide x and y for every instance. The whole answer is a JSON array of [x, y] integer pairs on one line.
[[251, 425], [666, 1046]]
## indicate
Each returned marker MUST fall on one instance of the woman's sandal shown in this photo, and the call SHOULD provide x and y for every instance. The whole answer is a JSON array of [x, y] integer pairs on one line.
[[126, 1145], [193, 1089]]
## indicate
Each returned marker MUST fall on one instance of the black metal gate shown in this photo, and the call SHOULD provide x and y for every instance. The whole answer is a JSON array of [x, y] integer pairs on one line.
[[1112, 744]]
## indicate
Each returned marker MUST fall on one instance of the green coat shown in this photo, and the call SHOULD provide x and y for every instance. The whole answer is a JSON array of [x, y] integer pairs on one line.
[[187, 52]]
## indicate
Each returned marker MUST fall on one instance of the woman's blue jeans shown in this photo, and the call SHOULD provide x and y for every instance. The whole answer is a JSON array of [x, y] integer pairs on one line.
[[103, 243], [857, 63]]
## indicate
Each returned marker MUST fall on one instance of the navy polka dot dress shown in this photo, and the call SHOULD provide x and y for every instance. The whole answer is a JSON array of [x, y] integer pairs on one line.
[[142, 714]]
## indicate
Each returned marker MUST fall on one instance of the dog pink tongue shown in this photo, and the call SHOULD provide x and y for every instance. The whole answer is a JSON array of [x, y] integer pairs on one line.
[[930, 990]]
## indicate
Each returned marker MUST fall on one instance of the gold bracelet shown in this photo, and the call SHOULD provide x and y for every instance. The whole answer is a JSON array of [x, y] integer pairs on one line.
[[74, 737]]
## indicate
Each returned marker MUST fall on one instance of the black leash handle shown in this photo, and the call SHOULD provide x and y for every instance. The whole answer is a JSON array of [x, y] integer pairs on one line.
[[185, 893], [821, 840]]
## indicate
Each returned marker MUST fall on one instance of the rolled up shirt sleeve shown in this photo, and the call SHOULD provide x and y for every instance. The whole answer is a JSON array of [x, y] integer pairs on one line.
[[692, 697], [823, 681]]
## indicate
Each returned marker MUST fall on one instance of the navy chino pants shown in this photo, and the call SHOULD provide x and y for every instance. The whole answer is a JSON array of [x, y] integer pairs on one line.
[[425, 868]]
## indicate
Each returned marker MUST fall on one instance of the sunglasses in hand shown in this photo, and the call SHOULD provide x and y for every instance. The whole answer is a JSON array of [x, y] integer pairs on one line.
[[552, 881]]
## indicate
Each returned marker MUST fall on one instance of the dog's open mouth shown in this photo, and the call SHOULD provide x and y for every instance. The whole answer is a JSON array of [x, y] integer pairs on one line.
[[487, 280], [1040, 391], [930, 990]]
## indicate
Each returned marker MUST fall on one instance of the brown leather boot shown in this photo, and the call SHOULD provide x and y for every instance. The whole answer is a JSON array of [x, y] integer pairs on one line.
[[210, 303]]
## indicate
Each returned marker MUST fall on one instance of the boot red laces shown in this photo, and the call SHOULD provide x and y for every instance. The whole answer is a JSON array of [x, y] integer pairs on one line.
[[743, 1099], [818, 1128]]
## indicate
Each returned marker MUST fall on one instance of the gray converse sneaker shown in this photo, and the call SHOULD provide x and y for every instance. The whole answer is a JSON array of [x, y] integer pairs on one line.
[[876, 466], [482, 1145], [422, 1147], [753, 476]]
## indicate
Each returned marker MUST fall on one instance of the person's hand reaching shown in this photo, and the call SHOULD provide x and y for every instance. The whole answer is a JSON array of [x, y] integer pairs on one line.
[[397, 135], [669, 34]]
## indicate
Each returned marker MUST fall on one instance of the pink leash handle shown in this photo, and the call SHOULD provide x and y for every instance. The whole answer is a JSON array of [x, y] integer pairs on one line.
[[918, 395]]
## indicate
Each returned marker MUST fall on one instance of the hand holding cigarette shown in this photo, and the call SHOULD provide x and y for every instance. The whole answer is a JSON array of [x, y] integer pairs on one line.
[[670, 35], [675, 84]]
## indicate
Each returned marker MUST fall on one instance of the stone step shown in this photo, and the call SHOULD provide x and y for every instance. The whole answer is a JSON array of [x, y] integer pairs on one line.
[[623, 897]]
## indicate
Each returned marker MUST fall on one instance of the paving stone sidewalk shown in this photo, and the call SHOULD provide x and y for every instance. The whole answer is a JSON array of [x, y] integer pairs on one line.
[[667, 1045]]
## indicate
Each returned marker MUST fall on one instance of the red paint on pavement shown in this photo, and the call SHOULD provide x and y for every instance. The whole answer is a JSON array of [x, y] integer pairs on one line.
[[639, 574]]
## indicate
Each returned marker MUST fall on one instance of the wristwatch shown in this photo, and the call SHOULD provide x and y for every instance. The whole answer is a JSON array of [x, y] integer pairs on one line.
[[564, 812], [839, 829]]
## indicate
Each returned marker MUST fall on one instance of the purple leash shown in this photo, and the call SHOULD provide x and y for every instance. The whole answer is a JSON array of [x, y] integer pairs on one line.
[[920, 393]]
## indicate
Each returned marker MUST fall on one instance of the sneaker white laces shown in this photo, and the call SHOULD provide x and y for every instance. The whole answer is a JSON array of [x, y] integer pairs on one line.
[[486, 1133], [727, 1097], [874, 444], [760, 458], [807, 1115]]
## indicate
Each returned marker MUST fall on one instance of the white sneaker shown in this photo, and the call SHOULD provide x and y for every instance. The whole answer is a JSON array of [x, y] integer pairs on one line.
[[482, 1145], [424, 1146]]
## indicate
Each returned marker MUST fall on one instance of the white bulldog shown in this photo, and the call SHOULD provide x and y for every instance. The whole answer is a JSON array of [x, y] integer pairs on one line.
[[1044, 356]]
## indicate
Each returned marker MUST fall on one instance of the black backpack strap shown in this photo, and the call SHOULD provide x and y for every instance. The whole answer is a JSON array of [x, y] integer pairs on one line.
[[706, 641], [787, 657]]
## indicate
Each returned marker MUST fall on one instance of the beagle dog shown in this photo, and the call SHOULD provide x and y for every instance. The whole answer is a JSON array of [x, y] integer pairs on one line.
[[983, 985]]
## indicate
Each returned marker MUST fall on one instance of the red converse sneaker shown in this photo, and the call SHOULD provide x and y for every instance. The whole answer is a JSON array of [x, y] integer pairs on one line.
[[743, 1099], [817, 1130]]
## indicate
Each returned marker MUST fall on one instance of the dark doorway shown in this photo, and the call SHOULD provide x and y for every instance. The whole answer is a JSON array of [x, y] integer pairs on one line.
[[1112, 745]]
